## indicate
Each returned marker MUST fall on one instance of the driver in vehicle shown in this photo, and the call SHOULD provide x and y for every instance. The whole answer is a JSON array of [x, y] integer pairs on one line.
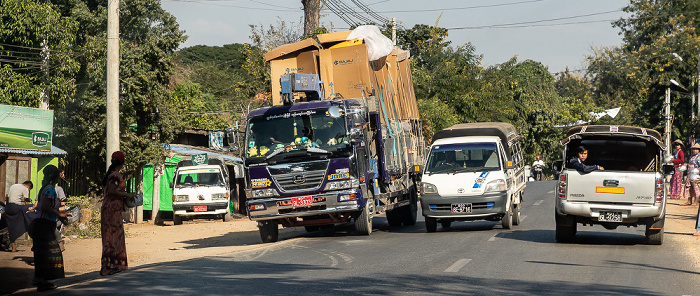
[[450, 160], [577, 162]]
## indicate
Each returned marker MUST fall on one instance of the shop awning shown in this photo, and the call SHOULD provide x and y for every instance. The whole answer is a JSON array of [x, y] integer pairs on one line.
[[54, 151]]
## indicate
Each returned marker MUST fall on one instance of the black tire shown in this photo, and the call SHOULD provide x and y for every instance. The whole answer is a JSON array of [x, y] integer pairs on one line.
[[393, 217], [507, 220], [363, 223], [445, 223], [516, 214], [177, 220], [409, 213], [269, 232], [227, 217], [655, 236], [430, 224], [312, 228], [565, 228]]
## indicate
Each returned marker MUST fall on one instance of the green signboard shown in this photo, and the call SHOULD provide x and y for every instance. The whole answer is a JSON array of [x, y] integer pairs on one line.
[[200, 159], [25, 128]]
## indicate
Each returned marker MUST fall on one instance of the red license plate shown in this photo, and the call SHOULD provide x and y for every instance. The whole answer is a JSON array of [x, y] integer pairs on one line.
[[200, 208], [302, 201]]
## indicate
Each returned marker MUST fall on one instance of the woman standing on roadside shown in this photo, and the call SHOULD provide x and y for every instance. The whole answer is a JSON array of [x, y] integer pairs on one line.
[[693, 191], [677, 179], [113, 242], [48, 258]]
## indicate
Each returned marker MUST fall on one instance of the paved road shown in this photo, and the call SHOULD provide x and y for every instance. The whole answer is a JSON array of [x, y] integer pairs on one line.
[[470, 258]]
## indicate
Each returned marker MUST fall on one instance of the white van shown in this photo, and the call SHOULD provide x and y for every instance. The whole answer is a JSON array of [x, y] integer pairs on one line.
[[474, 171], [201, 190]]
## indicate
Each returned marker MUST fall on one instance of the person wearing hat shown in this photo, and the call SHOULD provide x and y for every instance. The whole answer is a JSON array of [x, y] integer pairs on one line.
[[693, 191], [112, 228], [48, 258], [677, 179]]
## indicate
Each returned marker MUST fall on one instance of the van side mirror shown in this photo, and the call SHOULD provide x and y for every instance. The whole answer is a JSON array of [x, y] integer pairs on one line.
[[668, 169]]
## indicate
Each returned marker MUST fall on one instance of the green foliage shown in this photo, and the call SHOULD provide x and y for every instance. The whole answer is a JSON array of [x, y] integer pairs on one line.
[[87, 229]]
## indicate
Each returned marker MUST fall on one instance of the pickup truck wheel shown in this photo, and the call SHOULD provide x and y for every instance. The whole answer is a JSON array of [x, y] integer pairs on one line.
[[507, 220], [312, 228], [430, 224], [565, 234], [227, 217], [393, 217], [516, 214], [269, 231], [655, 236], [445, 223], [363, 223], [177, 220], [409, 213]]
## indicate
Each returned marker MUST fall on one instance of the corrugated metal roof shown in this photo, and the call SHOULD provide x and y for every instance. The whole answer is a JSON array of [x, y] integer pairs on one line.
[[193, 151], [54, 151]]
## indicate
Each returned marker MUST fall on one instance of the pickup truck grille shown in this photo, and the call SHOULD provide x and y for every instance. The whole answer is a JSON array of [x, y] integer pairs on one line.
[[300, 180]]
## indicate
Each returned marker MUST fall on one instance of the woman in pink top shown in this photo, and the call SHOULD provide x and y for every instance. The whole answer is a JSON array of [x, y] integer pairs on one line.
[[677, 179]]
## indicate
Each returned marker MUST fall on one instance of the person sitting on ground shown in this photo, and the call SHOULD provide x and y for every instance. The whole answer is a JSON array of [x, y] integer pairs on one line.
[[577, 162], [17, 210]]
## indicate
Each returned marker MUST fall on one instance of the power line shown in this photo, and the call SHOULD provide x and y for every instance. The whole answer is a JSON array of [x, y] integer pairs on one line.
[[458, 8], [209, 2], [509, 25]]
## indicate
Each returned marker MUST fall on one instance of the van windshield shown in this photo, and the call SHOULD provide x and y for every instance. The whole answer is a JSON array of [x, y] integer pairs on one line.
[[199, 177], [463, 157]]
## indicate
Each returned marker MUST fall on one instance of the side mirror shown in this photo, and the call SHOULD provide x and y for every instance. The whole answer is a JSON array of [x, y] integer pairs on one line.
[[668, 169], [557, 165], [356, 135], [334, 112]]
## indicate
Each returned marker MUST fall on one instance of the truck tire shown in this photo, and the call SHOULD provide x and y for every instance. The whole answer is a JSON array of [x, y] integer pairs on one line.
[[409, 213], [516, 214], [655, 236], [446, 223], [363, 223], [227, 217], [269, 231], [430, 224], [393, 217], [177, 220], [312, 228], [507, 220], [565, 228]]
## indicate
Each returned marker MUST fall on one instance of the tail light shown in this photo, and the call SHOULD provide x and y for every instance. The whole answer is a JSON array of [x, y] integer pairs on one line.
[[561, 191], [659, 189]]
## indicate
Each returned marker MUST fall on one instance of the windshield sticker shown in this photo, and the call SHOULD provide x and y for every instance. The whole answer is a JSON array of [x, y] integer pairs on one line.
[[480, 180], [338, 176], [260, 183], [291, 114], [613, 129]]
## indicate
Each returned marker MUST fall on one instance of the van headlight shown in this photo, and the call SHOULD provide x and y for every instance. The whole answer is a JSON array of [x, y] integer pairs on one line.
[[495, 186], [339, 185], [219, 196], [181, 198], [427, 188]]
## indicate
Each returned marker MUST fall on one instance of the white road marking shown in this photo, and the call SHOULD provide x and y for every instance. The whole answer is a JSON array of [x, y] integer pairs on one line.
[[493, 238], [551, 191], [537, 203], [457, 265], [522, 218]]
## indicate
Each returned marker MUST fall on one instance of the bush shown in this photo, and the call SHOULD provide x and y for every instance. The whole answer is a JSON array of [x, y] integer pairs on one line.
[[82, 228]]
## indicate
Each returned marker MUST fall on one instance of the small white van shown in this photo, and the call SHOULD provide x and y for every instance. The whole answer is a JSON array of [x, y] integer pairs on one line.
[[201, 190], [474, 171]]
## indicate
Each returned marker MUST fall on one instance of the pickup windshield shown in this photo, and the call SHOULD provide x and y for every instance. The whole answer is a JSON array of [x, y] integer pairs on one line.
[[463, 157], [280, 136], [199, 177]]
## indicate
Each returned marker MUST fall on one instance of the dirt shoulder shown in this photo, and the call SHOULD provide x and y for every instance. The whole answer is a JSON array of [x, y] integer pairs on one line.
[[148, 244]]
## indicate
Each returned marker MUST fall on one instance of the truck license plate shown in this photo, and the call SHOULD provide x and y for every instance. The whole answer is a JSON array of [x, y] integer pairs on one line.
[[200, 208], [610, 217], [461, 208], [302, 201]]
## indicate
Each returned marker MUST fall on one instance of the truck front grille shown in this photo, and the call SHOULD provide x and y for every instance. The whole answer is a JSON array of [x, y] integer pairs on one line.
[[300, 181]]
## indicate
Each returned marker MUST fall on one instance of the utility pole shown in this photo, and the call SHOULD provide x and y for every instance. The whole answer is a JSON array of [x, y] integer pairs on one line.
[[112, 79], [312, 13], [667, 116], [44, 96], [393, 30]]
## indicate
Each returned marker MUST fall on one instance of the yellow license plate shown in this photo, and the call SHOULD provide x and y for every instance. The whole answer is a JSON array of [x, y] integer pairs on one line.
[[613, 190]]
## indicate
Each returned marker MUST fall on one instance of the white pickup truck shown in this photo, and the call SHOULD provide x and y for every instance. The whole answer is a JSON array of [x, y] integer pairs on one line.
[[628, 192]]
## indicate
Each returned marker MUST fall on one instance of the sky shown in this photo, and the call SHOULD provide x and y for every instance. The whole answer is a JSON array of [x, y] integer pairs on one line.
[[557, 33]]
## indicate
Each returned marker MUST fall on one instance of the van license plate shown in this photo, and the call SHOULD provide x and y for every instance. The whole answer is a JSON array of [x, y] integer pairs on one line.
[[200, 208], [610, 217], [461, 208], [302, 201]]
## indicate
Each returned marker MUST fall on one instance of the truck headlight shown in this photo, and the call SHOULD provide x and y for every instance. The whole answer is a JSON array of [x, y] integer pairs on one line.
[[181, 198], [219, 196], [260, 193], [345, 184], [495, 185], [428, 188]]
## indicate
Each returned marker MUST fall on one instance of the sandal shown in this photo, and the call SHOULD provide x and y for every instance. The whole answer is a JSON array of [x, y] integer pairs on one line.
[[686, 204], [697, 233], [45, 287]]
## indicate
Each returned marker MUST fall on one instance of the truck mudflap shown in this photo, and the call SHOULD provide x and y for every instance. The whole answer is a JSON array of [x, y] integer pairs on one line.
[[309, 205]]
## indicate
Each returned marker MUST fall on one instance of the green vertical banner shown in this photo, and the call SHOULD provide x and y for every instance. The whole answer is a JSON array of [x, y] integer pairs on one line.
[[26, 128], [148, 187]]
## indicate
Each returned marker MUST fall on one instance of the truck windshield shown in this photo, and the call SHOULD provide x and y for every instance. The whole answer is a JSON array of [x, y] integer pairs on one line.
[[199, 177], [294, 131], [451, 158]]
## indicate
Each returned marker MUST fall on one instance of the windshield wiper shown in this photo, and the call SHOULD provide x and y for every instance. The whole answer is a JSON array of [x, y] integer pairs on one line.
[[310, 149]]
